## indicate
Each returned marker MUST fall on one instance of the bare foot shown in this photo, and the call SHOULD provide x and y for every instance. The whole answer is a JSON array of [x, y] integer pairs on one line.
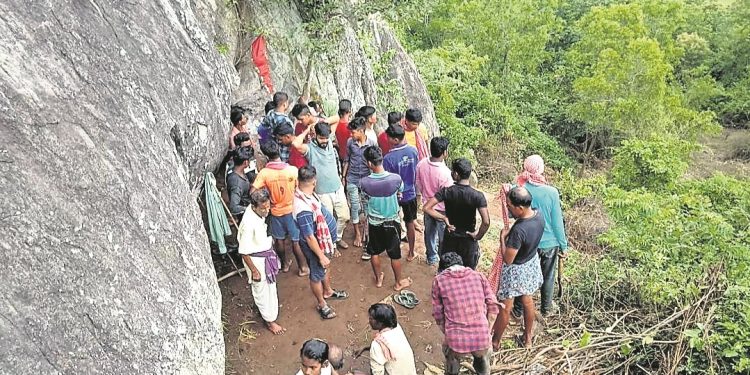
[[526, 342], [358, 241], [286, 266], [379, 280], [495, 345], [411, 256], [303, 272], [404, 283], [275, 328], [336, 254]]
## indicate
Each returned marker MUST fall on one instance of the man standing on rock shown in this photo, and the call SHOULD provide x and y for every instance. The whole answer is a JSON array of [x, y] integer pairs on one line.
[[433, 175], [281, 181], [317, 229], [465, 308], [402, 160], [461, 205], [321, 155], [261, 262], [381, 190], [554, 243]]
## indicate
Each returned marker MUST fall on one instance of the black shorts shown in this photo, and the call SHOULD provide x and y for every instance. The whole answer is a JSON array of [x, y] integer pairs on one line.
[[410, 210], [384, 237], [462, 245]]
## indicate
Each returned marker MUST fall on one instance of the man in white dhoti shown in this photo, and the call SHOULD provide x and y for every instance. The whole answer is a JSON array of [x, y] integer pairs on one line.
[[261, 262]]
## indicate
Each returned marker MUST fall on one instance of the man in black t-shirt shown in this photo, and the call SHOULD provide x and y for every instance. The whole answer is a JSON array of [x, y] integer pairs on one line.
[[522, 275], [461, 205]]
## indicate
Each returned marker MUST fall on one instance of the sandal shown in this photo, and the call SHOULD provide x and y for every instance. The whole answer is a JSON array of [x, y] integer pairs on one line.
[[410, 295], [338, 295], [404, 301], [326, 312]]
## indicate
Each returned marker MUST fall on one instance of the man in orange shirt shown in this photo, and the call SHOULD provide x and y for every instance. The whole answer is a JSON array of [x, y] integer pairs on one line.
[[281, 181]]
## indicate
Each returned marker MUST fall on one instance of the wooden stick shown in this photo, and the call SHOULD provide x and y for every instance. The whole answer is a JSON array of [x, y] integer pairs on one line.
[[236, 227], [237, 272]]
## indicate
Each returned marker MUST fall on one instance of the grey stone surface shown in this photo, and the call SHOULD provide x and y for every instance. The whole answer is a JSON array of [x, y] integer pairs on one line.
[[343, 73], [110, 111], [403, 71]]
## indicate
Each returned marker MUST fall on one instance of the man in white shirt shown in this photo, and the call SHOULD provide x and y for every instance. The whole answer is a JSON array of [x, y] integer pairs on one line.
[[261, 262], [390, 352]]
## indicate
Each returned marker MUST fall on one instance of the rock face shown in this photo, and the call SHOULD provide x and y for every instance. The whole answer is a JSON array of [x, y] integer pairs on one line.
[[110, 112], [366, 65]]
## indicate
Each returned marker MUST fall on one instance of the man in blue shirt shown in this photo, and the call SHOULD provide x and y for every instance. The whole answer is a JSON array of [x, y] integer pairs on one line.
[[317, 237], [553, 246], [381, 189], [402, 160]]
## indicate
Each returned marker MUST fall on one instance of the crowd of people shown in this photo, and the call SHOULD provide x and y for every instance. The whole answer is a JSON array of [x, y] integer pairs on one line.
[[298, 178]]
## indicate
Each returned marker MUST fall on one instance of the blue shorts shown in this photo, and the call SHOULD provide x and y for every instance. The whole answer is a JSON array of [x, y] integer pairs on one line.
[[317, 272], [283, 227]]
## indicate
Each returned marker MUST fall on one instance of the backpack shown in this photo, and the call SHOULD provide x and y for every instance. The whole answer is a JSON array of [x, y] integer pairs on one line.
[[270, 123]]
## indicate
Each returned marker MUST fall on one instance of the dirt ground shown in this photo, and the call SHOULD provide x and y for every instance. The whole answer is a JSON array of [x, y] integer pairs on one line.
[[251, 349], [269, 354]]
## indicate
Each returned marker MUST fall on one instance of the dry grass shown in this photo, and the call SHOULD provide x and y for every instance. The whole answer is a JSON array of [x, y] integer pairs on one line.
[[728, 153], [738, 144], [247, 333], [584, 223]]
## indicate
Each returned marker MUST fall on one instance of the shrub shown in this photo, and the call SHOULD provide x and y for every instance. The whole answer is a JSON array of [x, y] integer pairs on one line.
[[653, 162]]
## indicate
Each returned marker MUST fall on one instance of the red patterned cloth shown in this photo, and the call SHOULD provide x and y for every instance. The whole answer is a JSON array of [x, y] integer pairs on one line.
[[533, 171], [422, 150], [497, 265], [461, 300], [383, 343], [322, 232]]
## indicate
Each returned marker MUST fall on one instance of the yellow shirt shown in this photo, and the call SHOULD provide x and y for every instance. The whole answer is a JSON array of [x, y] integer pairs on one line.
[[411, 136]]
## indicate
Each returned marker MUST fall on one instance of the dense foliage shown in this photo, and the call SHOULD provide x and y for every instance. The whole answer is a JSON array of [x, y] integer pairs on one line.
[[582, 74], [636, 82]]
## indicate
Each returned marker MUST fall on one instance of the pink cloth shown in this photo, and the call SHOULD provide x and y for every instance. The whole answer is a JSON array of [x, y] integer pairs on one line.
[[533, 171], [431, 177], [381, 340]]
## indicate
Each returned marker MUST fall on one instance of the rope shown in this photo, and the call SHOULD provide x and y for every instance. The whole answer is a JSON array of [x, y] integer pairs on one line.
[[497, 266]]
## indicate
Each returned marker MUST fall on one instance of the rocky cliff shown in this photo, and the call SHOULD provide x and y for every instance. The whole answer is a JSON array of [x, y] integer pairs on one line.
[[364, 63], [110, 113]]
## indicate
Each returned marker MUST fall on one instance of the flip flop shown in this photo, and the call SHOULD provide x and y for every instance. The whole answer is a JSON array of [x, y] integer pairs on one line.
[[403, 301], [410, 295]]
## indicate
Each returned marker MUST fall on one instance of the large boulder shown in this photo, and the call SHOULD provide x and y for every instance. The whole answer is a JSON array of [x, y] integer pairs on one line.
[[111, 111]]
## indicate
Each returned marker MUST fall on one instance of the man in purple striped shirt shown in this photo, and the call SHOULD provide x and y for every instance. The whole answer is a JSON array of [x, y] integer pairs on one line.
[[465, 309]]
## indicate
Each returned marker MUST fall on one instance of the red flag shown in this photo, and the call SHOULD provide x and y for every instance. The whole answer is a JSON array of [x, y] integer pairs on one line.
[[258, 51]]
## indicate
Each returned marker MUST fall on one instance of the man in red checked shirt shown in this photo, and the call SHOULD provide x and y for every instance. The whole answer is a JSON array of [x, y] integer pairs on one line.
[[465, 309]]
